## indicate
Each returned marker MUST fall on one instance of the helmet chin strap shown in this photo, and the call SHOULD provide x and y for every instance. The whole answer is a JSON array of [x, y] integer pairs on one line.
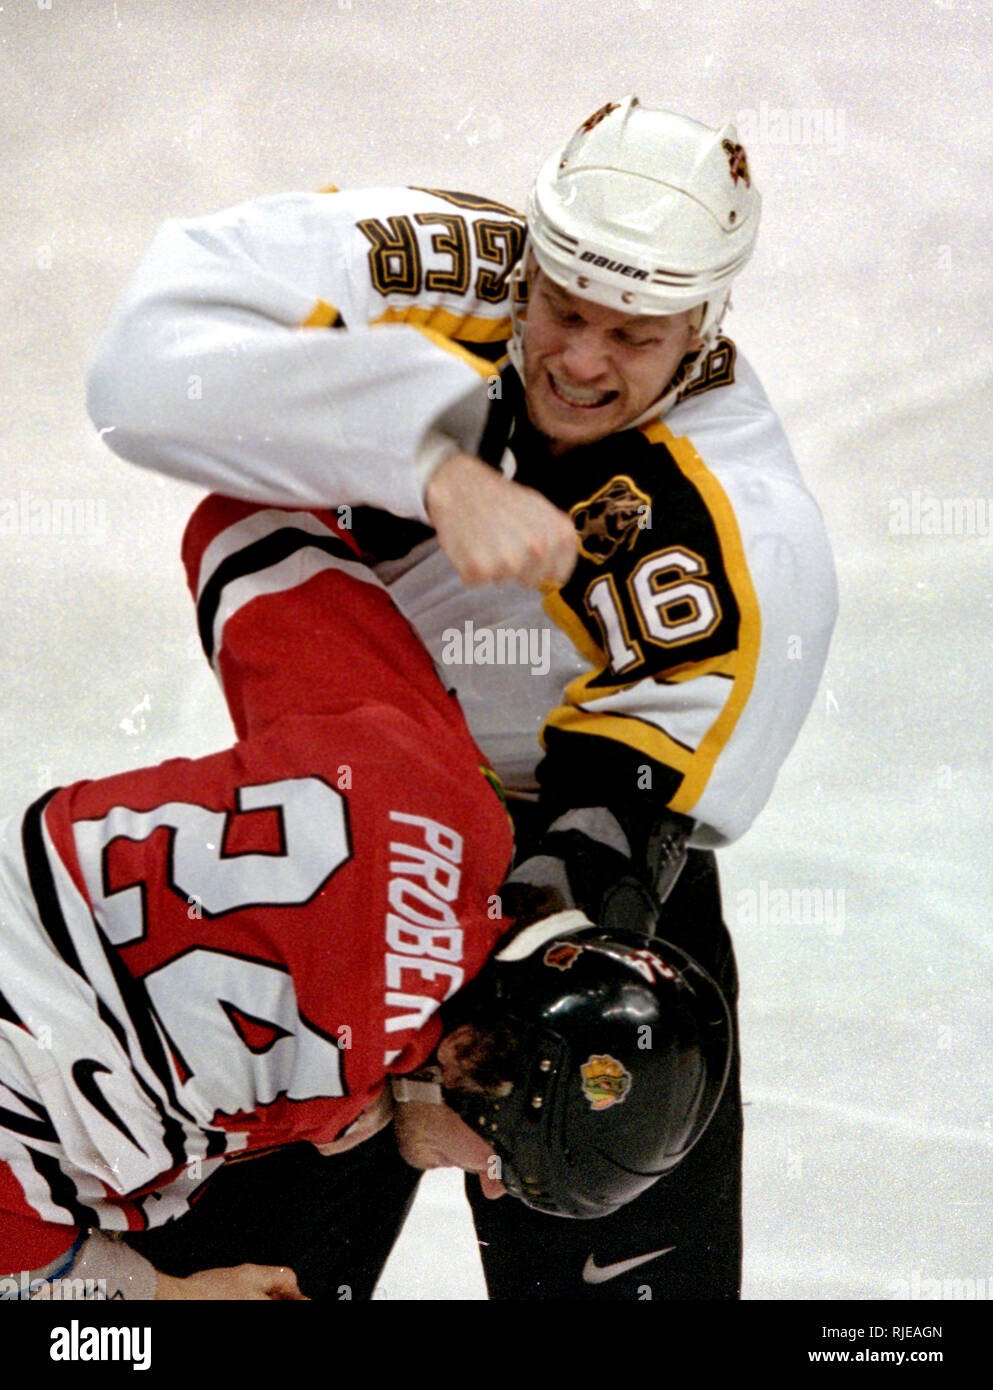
[[668, 398], [515, 347]]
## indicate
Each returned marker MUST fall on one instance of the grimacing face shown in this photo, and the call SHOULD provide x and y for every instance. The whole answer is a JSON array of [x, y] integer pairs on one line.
[[589, 370]]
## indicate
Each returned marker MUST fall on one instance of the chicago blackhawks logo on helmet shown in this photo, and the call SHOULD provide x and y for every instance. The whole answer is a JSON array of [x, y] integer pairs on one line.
[[605, 1082], [737, 162], [609, 518], [562, 954]]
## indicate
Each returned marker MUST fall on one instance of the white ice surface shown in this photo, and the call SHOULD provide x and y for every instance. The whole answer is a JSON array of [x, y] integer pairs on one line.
[[866, 1031]]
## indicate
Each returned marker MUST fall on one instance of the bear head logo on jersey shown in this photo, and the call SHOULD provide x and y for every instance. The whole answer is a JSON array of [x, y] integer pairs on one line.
[[611, 517]]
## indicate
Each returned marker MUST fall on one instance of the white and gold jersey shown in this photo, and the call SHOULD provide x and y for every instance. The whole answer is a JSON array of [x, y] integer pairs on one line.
[[324, 351], [311, 348]]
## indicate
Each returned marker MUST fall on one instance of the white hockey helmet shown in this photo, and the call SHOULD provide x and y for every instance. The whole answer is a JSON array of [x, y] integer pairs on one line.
[[646, 212]]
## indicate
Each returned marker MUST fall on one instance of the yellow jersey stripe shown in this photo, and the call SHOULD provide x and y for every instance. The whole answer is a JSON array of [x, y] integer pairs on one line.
[[724, 665], [485, 369], [619, 728], [468, 328], [322, 315], [564, 617], [693, 468]]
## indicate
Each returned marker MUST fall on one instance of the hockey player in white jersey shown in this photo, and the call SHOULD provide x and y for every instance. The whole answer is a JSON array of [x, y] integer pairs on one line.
[[639, 686]]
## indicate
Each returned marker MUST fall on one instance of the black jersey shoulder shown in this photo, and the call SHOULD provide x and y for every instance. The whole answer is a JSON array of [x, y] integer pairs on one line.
[[649, 548]]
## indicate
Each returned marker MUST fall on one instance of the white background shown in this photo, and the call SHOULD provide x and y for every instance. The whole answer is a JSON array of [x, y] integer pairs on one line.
[[866, 1026]]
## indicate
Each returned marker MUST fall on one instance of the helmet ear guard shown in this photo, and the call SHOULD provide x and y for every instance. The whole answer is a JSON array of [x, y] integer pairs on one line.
[[624, 1046]]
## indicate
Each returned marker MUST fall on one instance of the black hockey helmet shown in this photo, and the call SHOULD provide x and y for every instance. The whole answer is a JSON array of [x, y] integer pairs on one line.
[[624, 1045]]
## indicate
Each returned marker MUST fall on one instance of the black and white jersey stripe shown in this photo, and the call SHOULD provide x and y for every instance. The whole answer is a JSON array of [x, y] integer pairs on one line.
[[267, 552], [88, 1096]]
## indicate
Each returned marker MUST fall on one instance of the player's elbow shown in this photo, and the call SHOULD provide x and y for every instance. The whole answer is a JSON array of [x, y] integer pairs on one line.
[[101, 402], [126, 390], [110, 398]]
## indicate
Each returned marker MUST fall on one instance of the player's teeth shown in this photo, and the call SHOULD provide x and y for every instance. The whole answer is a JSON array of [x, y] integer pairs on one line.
[[577, 397]]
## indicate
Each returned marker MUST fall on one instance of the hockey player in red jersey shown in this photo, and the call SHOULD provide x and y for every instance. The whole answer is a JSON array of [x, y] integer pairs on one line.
[[210, 958], [624, 469], [212, 961]]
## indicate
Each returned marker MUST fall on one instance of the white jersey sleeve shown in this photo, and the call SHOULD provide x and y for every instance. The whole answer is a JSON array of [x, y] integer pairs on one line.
[[308, 349], [778, 559]]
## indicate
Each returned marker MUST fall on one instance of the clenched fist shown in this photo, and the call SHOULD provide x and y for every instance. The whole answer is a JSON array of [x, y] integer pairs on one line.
[[494, 530]]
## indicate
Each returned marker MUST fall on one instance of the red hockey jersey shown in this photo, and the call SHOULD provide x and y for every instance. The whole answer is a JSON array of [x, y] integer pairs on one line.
[[226, 954]]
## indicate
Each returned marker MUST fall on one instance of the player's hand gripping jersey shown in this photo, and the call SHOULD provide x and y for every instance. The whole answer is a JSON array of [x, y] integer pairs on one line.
[[213, 957], [328, 350]]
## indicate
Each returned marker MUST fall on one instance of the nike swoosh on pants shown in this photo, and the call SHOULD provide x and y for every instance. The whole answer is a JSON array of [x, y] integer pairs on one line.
[[599, 1274]]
